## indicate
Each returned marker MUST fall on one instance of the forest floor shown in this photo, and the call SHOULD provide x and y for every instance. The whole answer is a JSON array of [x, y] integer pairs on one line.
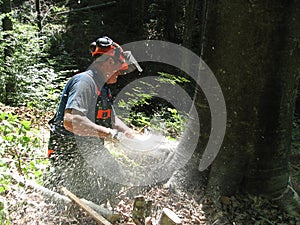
[[23, 205]]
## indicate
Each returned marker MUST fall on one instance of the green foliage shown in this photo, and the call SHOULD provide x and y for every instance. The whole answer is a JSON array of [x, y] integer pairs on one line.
[[149, 110], [29, 71], [19, 154], [19, 144], [172, 79], [4, 215]]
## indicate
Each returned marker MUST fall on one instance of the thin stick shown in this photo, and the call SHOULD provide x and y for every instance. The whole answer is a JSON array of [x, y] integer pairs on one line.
[[89, 7], [61, 199], [98, 218]]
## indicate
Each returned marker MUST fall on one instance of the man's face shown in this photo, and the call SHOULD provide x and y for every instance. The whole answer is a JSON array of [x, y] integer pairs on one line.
[[112, 70]]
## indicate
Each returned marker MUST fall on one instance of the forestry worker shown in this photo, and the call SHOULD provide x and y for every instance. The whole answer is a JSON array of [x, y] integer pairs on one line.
[[84, 119]]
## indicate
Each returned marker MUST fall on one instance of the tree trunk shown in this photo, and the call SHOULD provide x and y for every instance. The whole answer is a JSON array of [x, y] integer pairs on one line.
[[7, 25], [137, 8], [250, 51], [172, 9], [189, 23], [62, 200], [270, 160], [39, 16]]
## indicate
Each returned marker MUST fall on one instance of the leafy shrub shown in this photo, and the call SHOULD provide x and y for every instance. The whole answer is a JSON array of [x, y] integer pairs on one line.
[[29, 74], [149, 110], [19, 148], [19, 154]]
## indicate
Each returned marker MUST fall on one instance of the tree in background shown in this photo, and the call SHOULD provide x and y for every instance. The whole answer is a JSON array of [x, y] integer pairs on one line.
[[252, 48], [7, 26]]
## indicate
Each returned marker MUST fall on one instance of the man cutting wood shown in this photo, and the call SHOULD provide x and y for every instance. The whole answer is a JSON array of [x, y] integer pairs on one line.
[[84, 119]]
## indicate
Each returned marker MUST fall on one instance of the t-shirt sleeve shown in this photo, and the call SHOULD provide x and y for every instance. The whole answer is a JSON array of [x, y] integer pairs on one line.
[[81, 93]]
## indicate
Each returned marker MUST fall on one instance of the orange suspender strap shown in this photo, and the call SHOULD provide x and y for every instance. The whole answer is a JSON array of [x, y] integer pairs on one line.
[[104, 114], [50, 152]]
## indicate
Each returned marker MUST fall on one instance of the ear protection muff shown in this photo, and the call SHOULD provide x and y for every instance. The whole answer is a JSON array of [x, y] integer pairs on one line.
[[93, 47]]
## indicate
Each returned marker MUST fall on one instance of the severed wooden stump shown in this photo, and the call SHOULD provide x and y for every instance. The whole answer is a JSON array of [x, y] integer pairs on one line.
[[168, 217], [139, 210]]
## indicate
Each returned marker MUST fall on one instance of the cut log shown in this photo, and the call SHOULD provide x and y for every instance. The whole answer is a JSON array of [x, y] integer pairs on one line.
[[98, 218], [60, 199], [168, 217]]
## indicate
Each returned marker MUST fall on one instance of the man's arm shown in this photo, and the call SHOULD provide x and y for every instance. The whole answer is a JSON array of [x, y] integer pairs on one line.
[[77, 123], [122, 127]]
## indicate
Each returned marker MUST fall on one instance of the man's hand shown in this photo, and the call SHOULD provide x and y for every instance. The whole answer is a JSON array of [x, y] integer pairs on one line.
[[115, 136], [130, 133]]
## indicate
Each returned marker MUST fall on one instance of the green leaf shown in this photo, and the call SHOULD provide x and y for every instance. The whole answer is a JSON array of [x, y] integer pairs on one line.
[[173, 111], [26, 139], [3, 115], [2, 188], [26, 124], [11, 118]]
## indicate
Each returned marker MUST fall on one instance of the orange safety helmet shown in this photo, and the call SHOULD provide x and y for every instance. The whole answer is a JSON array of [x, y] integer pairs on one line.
[[105, 45]]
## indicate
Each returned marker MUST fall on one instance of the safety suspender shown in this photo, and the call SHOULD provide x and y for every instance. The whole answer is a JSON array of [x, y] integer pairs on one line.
[[104, 112], [104, 109]]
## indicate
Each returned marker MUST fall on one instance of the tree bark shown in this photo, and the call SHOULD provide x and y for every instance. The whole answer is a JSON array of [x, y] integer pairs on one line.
[[6, 21], [297, 107], [249, 50]]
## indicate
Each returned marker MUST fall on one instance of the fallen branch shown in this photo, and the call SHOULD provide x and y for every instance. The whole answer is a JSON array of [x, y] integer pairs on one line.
[[98, 218], [89, 7], [60, 199]]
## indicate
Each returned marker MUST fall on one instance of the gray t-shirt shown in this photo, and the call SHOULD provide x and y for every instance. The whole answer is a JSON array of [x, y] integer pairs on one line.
[[81, 164], [80, 93]]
